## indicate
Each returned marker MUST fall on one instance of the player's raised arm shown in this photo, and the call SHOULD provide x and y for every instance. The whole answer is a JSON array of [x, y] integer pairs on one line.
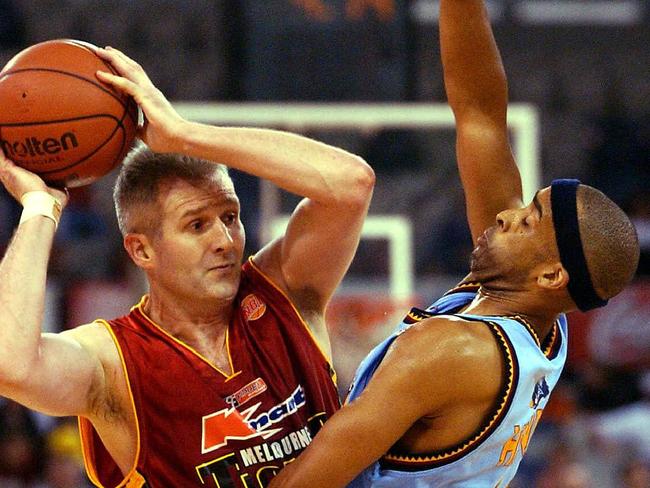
[[477, 92], [324, 230], [52, 373]]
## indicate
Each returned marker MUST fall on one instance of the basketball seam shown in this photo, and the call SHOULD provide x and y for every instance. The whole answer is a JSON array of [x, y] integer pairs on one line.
[[126, 112], [120, 154], [57, 121], [114, 71], [83, 46], [67, 73]]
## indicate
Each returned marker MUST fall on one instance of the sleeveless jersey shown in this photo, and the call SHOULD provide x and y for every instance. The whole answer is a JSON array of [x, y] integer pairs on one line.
[[199, 426], [490, 457]]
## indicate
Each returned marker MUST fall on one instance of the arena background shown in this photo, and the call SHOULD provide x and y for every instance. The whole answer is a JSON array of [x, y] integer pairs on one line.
[[579, 67]]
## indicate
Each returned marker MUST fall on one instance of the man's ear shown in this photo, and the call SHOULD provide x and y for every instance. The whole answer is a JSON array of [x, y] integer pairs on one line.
[[553, 276], [139, 248]]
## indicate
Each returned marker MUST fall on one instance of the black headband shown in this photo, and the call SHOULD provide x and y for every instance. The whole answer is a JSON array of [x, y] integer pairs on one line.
[[569, 243]]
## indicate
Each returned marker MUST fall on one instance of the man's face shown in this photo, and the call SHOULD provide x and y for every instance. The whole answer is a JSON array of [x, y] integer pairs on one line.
[[507, 253], [200, 243]]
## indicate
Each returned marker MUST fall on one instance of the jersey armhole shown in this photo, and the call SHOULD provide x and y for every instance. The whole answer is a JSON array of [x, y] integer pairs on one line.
[[401, 461], [302, 320], [89, 435]]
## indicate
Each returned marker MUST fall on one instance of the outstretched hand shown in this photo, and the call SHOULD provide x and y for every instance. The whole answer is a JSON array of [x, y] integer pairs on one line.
[[162, 123], [19, 181]]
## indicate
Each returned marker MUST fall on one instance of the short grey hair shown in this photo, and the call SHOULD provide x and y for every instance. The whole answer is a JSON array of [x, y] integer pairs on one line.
[[140, 178]]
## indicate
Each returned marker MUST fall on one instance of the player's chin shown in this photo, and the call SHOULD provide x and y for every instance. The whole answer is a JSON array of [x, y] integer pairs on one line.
[[225, 291], [480, 268], [475, 261]]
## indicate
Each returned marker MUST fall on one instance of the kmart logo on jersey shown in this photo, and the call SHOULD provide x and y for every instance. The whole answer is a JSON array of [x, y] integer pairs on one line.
[[229, 424], [280, 411]]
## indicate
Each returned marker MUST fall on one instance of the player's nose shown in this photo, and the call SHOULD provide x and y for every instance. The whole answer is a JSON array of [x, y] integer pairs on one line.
[[508, 219], [222, 239], [503, 220]]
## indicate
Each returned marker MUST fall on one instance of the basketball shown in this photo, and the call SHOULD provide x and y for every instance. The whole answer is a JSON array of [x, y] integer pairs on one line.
[[58, 120]]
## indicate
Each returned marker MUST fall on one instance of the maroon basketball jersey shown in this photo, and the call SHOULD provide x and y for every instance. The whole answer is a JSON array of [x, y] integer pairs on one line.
[[199, 426]]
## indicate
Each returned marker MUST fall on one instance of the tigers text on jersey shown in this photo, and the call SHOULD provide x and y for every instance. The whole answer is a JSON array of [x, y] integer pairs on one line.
[[489, 458], [199, 426]]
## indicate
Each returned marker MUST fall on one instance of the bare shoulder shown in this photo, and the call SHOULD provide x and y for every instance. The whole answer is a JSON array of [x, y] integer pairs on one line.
[[306, 299], [449, 354], [110, 409], [268, 261], [97, 340], [309, 303], [109, 395], [448, 338]]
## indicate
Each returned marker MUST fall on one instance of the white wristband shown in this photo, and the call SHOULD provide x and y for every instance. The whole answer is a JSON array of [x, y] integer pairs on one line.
[[40, 203]]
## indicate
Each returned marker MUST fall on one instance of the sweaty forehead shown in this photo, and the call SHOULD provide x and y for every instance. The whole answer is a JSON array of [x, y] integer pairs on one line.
[[223, 181], [181, 195], [543, 197]]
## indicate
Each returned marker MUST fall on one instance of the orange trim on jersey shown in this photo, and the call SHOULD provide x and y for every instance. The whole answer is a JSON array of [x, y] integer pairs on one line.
[[86, 446], [417, 315], [414, 462], [137, 481], [302, 321], [234, 375], [465, 287], [551, 340], [139, 306], [528, 326], [133, 479], [548, 346]]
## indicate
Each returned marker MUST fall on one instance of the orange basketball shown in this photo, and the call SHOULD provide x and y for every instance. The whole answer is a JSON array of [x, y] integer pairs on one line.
[[57, 119]]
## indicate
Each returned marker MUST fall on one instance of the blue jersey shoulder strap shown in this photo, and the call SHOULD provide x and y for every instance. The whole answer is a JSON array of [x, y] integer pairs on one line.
[[450, 303]]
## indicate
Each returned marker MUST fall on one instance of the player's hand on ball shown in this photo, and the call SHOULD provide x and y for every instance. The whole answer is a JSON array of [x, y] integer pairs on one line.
[[162, 123], [19, 181]]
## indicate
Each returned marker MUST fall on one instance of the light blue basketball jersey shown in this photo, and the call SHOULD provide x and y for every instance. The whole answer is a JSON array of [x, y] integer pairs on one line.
[[490, 458]]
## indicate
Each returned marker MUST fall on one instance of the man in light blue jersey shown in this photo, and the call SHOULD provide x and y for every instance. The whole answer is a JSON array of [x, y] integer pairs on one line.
[[452, 398]]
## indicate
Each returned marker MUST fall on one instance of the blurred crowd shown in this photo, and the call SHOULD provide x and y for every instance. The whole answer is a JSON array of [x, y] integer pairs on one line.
[[590, 84]]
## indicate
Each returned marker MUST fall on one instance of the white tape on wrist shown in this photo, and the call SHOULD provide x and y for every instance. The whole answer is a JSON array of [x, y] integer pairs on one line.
[[40, 203]]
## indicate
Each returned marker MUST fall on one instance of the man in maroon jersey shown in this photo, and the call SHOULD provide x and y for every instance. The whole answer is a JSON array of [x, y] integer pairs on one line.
[[221, 374]]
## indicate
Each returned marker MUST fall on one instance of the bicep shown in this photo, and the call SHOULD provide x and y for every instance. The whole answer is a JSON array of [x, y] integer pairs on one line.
[[488, 171], [61, 380], [362, 431], [316, 250]]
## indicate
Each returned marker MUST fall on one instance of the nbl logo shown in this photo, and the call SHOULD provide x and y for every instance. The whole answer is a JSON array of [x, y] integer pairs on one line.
[[33, 146]]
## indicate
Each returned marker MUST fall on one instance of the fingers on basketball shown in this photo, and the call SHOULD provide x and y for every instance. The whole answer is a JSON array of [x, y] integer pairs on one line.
[[125, 66]]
